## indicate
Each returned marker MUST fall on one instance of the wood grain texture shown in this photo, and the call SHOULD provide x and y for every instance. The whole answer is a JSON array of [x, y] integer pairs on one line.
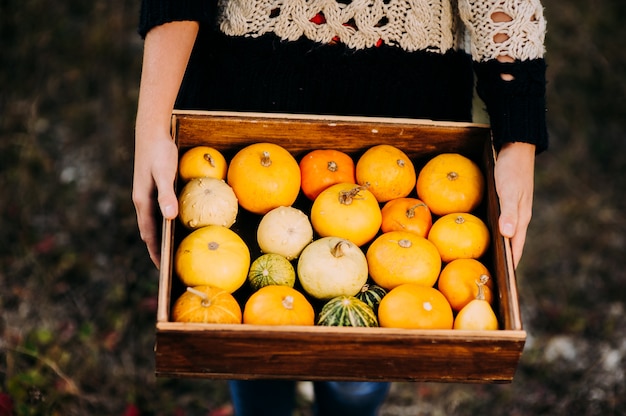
[[326, 353]]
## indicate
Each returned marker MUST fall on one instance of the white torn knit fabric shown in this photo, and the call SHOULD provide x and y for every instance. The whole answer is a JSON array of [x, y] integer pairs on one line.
[[430, 25]]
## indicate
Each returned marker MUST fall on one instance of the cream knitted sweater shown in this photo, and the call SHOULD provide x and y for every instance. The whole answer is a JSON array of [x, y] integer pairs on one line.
[[432, 25]]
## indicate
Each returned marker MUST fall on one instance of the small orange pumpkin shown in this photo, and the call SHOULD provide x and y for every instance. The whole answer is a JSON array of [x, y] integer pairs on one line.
[[406, 214], [399, 257], [413, 306], [450, 182], [202, 162], [322, 168], [278, 305], [264, 176], [460, 236], [206, 304], [457, 282], [387, 171], [347, 211]]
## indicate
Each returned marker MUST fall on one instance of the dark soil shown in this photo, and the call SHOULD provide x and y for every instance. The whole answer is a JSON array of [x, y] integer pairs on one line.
[[78, 292]]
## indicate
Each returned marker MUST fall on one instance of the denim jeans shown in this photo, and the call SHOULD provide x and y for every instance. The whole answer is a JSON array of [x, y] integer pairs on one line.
[[332, 398]]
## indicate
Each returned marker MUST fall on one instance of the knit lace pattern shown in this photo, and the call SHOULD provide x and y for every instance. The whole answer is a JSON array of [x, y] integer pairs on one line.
[[430, 25]]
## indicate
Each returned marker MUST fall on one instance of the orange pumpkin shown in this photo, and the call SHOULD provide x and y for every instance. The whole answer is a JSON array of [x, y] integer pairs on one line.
[[457, 282], [278, 305], [206, 304], [264, 176], [399, 257], [202, 162], [322, 168], [449, 183], [406, 214], [347, 211], [387, 171], [413, 306], [214, 256], [459, 236]]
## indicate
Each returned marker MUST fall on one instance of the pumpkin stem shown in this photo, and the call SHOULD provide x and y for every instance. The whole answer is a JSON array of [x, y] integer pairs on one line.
[[337, 249], [332, 166], [401, 162], [405, 243], [410, 213], [365, 288], [265, 159], [452, 176], [288, 302], [210, 159], [346, 197], [459, 220], [481, 283], [206, 302]]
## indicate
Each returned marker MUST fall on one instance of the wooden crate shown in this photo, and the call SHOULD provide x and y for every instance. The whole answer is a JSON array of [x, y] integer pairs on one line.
[[220, 351]]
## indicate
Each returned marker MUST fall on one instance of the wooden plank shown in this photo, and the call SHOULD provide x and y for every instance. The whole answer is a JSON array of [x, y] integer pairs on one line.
[[244, 351], [299, 133]]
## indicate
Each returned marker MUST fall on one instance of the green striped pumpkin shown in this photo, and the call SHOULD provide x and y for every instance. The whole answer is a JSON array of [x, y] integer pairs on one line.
[[347, 311], [271, 269], [371, 294]]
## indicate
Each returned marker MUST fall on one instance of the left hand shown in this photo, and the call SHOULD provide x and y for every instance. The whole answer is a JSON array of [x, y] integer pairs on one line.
[[514, 178]]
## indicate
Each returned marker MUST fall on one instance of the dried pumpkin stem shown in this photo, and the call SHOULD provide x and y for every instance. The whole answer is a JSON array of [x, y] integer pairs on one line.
[[481, 286], [288, 302], [452, 176], [210, 159], [405, 243], [205, 299], [265, 159], [332, 166], [337, 249], [410, 213], [346, 197]]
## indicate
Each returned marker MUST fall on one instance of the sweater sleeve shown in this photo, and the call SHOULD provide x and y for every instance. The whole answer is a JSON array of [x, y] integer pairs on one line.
[[158, 12], [516, 108]]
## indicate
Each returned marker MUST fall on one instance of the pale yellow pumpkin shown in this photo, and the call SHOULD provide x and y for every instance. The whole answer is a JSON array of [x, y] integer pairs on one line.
[[332, 266], [207, 201], [285, 231]]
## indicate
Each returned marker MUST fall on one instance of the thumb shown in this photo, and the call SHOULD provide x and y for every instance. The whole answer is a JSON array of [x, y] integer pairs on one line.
[[166, 197], [508, 219]]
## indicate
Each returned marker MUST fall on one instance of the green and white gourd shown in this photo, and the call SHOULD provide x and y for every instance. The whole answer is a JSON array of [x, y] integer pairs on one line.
[[371, 294], [347, 311]]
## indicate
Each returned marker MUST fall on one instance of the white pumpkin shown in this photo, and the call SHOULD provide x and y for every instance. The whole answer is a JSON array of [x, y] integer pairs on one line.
[[207, 201], [285, 231], [332, 266]]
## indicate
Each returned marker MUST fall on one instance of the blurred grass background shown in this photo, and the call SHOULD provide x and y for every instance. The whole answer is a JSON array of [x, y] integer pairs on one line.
[[77, 290]]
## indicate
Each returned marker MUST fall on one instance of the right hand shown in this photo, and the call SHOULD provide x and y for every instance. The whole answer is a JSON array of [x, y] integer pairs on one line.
[[156, 163], [166, 54]]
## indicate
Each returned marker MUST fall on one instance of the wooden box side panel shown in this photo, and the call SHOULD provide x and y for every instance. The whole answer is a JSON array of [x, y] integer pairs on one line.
[[299, 134], [443, 356]]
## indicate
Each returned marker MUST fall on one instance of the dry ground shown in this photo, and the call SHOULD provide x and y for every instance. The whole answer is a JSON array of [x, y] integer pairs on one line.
[[77, 291]]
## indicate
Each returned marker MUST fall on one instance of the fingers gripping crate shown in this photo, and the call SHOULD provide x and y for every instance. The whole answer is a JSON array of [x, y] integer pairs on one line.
[[232, 351]]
